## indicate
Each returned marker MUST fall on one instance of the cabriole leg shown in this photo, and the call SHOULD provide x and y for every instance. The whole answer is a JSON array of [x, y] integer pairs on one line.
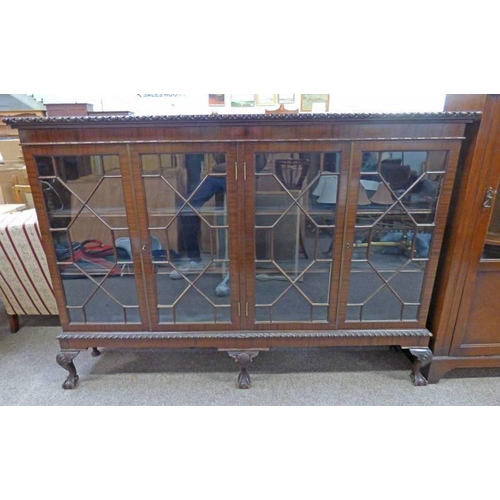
[[423, 357], [65, 359]]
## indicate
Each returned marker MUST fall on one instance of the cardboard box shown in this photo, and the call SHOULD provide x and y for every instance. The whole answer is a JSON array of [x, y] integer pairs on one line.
[[7, 176], [11, 153]]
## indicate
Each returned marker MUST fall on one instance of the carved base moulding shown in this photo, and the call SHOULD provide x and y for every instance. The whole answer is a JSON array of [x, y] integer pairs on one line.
[[247, 340]]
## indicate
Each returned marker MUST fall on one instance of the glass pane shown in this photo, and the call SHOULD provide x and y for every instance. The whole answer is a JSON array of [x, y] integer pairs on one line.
[[86, 210], [187, 209], [296, 197], [398, 195], [492, 243]]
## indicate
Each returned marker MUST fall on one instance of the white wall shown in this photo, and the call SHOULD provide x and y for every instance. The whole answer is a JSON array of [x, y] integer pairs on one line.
[[172, 104]]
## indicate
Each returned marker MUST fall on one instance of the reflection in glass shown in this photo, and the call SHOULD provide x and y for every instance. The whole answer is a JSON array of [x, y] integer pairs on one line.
[[398, 194], [187, 211], [295, 197], [491, 249], [86, 211]]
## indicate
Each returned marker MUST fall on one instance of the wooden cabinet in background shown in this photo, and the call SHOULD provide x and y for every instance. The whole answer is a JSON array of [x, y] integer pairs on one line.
[[465, 313], [243, 233]]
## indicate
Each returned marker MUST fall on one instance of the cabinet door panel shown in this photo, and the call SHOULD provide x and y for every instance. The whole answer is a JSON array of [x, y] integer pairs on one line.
[[479, 318], [295, 198], [398, 203], [85, 200], [189, 239], [481, 329]]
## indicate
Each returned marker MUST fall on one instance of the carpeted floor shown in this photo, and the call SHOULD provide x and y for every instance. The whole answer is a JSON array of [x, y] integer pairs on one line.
[[30, 376]]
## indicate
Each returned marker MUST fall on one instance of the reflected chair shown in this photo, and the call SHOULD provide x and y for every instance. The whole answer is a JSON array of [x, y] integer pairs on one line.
[[397, 181], [292, 174], [396, 175], [22, 192]]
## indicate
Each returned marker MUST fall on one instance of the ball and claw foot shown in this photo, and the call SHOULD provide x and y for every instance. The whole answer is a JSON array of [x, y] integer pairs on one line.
[[244, 380], [243, 358], [65, 359], [423, 358]]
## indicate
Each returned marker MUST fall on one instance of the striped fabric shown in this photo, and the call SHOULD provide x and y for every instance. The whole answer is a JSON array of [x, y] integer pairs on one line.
[[25, 283]]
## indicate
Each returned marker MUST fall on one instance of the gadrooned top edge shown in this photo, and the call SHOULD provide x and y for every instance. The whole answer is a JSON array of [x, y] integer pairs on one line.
[[230, 118]]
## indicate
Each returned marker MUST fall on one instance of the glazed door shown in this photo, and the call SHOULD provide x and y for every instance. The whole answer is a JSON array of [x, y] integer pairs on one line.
[[187, 202], [295, 197], [85, 194], [399, 193]]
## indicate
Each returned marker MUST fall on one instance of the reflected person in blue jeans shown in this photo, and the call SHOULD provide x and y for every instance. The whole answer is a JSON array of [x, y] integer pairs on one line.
[[191, 222]]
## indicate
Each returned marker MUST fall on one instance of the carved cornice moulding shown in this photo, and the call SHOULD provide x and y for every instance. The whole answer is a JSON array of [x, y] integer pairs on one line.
[[229, 119]]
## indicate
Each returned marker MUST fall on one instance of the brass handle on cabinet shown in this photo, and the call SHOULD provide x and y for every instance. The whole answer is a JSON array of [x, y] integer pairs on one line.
[[488, 198]]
